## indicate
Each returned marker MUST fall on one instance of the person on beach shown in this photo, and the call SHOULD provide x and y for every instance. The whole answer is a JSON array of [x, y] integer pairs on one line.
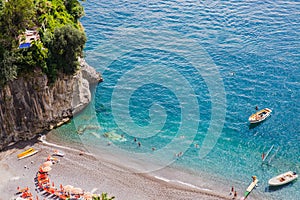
[[235, 195], [179, 154], [231, 191]]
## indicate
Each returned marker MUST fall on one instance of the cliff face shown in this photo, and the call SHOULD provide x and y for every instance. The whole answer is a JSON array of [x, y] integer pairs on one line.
[[29, 105]]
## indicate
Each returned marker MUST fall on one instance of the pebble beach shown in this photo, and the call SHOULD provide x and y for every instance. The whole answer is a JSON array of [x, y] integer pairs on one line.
[[81, 169]]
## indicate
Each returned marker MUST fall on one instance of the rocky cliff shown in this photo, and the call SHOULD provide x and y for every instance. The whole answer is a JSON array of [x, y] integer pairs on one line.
[[30, 105]]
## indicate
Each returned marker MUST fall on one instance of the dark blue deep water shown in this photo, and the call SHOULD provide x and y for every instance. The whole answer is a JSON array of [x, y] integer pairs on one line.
[[184, 76]]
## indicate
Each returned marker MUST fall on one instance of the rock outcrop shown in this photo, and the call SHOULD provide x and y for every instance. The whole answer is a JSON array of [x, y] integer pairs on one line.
[[30, 105]]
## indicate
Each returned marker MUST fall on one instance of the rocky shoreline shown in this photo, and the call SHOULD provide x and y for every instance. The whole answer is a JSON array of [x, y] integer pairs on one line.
[[30, 105]]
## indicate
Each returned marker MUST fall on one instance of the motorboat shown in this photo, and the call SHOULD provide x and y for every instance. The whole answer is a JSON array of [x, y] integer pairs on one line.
[[284, 178], [260, 116]]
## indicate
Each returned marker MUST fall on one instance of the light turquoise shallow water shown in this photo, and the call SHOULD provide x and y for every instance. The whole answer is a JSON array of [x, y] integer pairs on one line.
[[184, 76]]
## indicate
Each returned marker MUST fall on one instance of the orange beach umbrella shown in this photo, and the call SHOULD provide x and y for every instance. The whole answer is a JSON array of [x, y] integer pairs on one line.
[[42, 176], [42, 181], [76, 191], [88, 196], [68, 188]]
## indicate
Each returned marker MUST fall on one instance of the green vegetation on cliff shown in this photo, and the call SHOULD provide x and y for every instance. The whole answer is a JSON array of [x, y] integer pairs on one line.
[[59, 37]]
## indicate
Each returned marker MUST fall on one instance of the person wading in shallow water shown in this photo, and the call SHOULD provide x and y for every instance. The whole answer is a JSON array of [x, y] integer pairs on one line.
[[235, 195], [231, 191]]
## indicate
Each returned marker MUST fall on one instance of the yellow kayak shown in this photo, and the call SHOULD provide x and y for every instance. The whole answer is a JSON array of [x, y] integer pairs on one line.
[[250, 187], [27, 153]]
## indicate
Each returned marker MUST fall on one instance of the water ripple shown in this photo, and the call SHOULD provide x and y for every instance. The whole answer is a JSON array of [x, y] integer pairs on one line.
[[255, 45]]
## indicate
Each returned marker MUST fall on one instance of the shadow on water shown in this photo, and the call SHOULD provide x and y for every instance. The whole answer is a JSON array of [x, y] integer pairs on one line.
[[252, 126], [278, 188]]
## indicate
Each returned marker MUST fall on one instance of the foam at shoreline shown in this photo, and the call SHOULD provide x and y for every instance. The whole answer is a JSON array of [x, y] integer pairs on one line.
[[173, 176]]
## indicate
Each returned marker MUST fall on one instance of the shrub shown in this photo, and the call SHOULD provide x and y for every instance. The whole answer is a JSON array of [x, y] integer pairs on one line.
[[65, 47]]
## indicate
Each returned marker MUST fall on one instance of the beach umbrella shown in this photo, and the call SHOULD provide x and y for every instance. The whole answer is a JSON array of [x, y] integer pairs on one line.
[[50, 158], [47, 164], [42, 176], [46, 180], [45, 169], [76, 191], [26, 194], [52, 190], [68, 188], [23, 190], [88, 196]]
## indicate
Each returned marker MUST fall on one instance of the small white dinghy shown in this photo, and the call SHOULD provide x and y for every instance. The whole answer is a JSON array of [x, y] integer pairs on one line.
[[260, 116], [58, 153], [283, 178]]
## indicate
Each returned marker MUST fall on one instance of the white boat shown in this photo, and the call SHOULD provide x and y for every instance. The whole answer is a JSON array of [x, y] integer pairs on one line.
[[58, 153], [283, 178], [260, 116]]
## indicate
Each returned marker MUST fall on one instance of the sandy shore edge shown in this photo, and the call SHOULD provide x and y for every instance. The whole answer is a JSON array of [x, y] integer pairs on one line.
[[82, 169]]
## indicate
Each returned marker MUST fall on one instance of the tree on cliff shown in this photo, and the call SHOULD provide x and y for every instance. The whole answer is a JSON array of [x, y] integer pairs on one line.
[[8, 69], [16, 16], [74, 8], [65, 47], [62, 37]]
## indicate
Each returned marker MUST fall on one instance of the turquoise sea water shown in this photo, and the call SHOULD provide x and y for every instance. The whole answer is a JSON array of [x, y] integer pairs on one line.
[[184, 76]]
